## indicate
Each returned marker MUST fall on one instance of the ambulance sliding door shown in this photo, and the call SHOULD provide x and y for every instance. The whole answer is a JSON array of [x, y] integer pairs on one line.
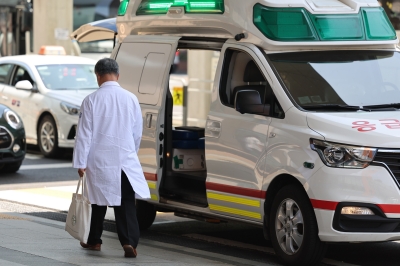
[[236, 143], [145, 62]]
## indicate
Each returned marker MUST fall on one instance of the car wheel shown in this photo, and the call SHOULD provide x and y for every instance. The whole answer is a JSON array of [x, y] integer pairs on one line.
[[146, 214], [47, 137], [294, 228], [11, 167]]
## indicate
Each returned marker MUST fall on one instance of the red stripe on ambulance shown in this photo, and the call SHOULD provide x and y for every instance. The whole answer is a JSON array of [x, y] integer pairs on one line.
[[150, 177], [236, 190], [389, 208], [324, 204]]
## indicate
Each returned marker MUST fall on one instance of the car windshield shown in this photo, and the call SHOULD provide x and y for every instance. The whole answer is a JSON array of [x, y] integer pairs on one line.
[[340, 78], [68, 76]]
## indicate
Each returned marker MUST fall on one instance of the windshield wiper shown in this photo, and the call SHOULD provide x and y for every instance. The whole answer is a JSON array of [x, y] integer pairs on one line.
[[394, 106], [334, 107]]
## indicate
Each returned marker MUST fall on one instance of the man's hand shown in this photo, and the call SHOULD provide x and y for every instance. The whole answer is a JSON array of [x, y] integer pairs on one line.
[[81, 171]]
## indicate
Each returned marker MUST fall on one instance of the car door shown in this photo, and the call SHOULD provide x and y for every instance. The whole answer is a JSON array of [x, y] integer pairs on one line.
[[145, 62], [24, 102], [236, 143]]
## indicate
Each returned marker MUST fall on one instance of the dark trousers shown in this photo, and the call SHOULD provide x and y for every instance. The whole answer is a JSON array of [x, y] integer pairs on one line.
[[125, 218]]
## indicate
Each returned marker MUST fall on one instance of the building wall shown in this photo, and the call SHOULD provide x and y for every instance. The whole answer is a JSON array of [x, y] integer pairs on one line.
[[52, 24]]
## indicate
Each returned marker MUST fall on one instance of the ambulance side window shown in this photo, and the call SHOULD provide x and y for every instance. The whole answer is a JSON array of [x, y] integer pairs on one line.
[[240, 72]]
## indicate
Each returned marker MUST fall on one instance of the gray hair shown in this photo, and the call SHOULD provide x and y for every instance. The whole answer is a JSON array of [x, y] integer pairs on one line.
[[106, 66]]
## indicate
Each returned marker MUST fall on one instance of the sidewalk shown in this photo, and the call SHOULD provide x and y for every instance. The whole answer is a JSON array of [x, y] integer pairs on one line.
[[57, 197], [30, 240]]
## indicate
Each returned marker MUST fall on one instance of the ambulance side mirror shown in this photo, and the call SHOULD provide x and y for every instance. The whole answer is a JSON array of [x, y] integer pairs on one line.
[[249, 102]]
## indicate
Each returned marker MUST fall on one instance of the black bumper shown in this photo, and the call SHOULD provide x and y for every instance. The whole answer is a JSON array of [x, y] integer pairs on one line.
[[8, 157]]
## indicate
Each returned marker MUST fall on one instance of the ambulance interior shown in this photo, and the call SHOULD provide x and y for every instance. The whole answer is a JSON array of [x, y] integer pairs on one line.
[[185, 169]]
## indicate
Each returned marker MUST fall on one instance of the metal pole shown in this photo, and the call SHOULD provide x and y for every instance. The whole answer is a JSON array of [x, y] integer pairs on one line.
[[184, 111], [18, 31]]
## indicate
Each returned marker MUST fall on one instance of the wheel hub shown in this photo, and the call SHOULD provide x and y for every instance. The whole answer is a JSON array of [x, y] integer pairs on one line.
[[47, 136], [289, 226]]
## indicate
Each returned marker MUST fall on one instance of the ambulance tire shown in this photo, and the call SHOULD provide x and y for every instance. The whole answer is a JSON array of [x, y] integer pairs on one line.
[[146, 214], [299, 224], [47, 137]]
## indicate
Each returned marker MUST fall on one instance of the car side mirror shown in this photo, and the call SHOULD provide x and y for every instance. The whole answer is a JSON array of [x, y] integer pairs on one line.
[[249, 102], [24, 85]]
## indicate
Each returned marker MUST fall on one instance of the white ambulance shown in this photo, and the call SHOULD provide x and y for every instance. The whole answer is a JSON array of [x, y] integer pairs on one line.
[[302, 136]]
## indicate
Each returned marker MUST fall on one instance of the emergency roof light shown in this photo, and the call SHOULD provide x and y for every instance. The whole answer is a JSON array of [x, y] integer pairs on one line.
[[123, 6], [155, 7], [297, 24]]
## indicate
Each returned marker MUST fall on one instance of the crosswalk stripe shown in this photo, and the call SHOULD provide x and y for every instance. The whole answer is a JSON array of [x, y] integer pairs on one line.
[[48, 192], [45, 166], [33, 156]]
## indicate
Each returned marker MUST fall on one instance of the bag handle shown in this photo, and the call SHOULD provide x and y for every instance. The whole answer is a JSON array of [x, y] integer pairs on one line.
[[81, 181]]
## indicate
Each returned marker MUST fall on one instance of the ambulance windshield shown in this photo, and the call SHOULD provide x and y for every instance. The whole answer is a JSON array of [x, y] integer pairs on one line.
[[343, 78]]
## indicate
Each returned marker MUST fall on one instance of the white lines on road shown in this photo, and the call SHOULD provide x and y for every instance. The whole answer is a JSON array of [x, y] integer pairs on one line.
[[45, 166], [164, 222], [238, 244], [33, 156]]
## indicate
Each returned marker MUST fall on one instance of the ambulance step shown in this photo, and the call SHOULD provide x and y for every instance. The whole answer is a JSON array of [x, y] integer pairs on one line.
[[189, 198], [198, 218]]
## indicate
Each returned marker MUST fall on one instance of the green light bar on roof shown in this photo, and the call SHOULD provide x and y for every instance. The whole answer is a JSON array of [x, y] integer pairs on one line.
[[339, 27], [155, 7], [377, 24], [123, 6], [297, 24], [284, 24]]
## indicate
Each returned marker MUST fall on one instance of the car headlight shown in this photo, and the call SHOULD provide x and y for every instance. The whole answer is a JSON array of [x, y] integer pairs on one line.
[[12, 119], [69, 108], [343, 156]]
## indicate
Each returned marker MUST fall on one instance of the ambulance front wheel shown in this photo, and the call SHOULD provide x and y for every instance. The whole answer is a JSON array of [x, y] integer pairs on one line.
[[294, 229], [146, 214]]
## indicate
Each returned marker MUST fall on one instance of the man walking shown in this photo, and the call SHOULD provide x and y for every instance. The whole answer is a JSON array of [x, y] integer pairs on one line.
[[106, 146]]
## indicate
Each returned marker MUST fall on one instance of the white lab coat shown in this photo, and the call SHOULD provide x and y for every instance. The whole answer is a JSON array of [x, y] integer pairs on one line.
[[107, 141]]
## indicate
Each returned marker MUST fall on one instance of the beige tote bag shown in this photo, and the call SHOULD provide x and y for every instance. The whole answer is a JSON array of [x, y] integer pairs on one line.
[[79, 214]]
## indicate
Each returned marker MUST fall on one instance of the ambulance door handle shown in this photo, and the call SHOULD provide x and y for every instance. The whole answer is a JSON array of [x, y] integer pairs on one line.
[[149, 118], [213, 128]]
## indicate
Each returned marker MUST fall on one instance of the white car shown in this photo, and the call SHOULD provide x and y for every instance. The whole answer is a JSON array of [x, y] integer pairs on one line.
[[47, 91]]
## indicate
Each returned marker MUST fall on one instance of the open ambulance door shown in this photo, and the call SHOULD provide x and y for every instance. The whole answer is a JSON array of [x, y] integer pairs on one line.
[[105, 29], [145, 63]]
